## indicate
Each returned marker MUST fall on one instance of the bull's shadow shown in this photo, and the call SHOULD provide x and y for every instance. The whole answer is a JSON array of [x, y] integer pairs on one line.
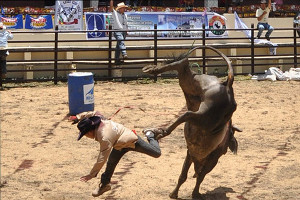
[[216, 194]]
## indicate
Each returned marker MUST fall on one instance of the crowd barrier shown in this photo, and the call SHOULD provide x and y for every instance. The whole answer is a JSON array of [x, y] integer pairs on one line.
[[62, 55]]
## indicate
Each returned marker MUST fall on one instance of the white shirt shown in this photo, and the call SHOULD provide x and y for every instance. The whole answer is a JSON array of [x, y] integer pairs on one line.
[[4, 36], [260, 11], [119, 21]]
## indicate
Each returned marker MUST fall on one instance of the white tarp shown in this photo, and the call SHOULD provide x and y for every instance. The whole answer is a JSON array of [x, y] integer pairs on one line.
[[274, 73]]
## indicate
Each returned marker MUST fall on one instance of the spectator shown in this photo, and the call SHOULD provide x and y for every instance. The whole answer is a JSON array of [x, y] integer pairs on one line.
[[262, 15], [115, 140], [135, 3], [297, 23], [4, 36], [120, 25]]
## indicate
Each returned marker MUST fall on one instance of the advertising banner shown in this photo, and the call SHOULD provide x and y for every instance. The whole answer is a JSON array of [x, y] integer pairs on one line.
[[95, 22], [184, 24], [15, 22], [69, 15], [40, 22]]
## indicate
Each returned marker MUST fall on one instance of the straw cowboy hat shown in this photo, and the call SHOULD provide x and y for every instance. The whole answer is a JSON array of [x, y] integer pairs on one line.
[[263, 1], [121, 5]]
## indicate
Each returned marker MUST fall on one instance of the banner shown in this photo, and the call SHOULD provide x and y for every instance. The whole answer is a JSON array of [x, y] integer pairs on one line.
[[69, 14], [15, 22], [41, 22], [95, 22], [187, 21], [239, 24]]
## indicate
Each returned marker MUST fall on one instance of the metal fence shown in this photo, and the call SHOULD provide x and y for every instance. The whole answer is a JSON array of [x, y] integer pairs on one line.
[[201, 60]]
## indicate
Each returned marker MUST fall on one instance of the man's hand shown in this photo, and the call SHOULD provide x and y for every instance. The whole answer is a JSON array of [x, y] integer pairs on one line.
[[73, 119], [86, 178]]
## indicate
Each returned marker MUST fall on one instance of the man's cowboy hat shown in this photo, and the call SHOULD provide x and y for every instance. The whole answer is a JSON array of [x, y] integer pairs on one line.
[[263, 1], [87, 125], [121, 5]]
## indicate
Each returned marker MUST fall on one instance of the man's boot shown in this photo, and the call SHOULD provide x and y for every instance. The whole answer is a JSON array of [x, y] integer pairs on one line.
[[101, 189]]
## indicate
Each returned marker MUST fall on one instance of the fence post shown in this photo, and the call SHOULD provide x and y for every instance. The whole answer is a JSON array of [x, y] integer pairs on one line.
[[252, 48], [109, 52], [155, 48], [295, 46], [203, 50], [55, 54]]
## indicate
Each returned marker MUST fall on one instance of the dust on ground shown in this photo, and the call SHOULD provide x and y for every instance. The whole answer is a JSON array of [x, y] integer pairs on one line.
[[41, 159]]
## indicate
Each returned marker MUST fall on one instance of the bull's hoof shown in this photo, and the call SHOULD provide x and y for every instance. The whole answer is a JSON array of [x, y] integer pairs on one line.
[[173, 195], [197, 195], [158, 132]]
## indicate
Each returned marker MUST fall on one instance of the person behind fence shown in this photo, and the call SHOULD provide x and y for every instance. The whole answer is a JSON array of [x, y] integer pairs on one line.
[[115, 140], [262, 15], [120, 25], [4, 36]]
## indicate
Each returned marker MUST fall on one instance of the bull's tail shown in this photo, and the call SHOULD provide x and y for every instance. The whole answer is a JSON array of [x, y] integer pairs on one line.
[[230, 78]]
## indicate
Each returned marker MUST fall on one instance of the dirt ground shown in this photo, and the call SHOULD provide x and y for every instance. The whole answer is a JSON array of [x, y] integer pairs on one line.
[[41, 158]]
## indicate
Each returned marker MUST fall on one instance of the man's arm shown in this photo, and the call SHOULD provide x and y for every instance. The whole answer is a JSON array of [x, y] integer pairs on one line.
[[111, 5], [269, 4]]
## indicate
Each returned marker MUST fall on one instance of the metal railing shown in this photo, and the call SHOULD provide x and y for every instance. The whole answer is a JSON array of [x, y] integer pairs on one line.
[[56, 49]]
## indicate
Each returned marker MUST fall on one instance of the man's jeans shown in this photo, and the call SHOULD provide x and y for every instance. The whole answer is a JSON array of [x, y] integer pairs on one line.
[[120, 47], [3, 54], [264, 26], [152, 149]]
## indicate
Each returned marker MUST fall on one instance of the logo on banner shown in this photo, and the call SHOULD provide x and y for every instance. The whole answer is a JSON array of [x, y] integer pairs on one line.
[[68, 14], [42, 22], [218, 24], [13, 22], [88, 92], [95, 22]]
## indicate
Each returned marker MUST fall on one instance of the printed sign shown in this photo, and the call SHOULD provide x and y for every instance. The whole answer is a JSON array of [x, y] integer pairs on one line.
[[68, 14], [88, 92], [95, 22], [41, 22], [183, 23], [15, 22]]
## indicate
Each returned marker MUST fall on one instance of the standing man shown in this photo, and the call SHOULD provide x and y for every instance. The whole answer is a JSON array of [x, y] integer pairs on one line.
[[262, 15], [4, 36], [115, 140], [120, 25]]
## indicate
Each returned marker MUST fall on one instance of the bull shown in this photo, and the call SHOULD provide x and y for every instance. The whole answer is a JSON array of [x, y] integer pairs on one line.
[[208, 128]]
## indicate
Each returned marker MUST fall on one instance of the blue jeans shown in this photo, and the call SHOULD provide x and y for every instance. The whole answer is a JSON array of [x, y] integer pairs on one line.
[[3, 54], [152, 149], [120, 47], [264, 26]]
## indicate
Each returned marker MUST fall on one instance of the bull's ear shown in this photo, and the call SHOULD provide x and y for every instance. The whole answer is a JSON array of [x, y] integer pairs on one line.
[[236, 129]]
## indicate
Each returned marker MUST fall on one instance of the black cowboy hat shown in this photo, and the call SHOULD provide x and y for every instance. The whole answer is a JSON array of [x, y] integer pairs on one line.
[[87, 125]]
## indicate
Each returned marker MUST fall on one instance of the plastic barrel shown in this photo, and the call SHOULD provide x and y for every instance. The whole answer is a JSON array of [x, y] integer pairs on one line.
[[81, 92]]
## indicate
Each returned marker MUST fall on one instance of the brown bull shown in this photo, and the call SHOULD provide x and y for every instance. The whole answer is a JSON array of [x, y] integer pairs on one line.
[[208, 129]]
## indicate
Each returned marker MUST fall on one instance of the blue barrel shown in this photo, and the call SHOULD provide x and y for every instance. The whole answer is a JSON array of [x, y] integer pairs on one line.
[[81, 92]]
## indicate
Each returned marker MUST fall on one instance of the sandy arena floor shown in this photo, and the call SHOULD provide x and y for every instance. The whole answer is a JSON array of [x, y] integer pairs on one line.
[[41, 159]]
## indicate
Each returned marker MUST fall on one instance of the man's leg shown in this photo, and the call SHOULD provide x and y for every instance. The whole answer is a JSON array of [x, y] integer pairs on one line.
[[119, 38], [122, 45], [3, 63], [260, 28], [270, 30], [114, 158], [152, 148]]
